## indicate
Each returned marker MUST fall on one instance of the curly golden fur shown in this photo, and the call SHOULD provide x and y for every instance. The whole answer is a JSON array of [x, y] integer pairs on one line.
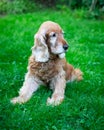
[[47, 65]]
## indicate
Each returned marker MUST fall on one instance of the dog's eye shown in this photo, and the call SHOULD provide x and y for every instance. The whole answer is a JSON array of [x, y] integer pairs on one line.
[[53, 35]]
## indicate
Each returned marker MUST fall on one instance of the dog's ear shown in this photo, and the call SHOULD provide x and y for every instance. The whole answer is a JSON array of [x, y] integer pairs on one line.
[[40, 49]]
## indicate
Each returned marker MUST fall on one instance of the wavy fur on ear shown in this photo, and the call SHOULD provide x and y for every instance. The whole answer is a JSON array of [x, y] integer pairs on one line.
[[40, 50]]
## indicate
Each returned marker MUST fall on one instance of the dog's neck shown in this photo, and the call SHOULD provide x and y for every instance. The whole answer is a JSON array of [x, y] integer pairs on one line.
[[53, 57]]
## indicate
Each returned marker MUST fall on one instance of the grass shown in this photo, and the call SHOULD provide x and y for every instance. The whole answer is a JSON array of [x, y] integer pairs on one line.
[[83, 107]]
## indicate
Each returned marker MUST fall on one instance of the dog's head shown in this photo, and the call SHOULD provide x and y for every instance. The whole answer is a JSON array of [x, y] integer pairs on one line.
[[49, 39]]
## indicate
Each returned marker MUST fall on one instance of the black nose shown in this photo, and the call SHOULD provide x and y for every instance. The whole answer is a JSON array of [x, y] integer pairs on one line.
[[65, 46]]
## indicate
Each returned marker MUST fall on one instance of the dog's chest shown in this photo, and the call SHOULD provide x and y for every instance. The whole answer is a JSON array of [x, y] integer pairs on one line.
[[45, 71]]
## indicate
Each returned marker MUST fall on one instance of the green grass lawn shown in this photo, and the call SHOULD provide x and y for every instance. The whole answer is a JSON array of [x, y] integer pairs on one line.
[[83, 107]]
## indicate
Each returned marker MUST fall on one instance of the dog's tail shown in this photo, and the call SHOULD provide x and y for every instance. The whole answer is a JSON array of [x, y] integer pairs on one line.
[[77, 74], [73, 74]]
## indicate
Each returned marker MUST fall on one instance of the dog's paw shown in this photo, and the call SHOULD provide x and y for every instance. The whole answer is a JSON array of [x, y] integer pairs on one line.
[[18, 99], [54, 102]]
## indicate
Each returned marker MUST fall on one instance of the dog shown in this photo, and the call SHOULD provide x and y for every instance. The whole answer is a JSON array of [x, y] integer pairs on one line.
[[47, 65]]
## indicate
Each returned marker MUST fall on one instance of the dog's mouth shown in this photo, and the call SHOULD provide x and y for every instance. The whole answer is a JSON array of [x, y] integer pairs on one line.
[[61, 55], [60, 51]]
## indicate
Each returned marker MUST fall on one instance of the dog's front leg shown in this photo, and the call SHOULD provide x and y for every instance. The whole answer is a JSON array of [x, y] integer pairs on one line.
[[29, 86], [58, 84]]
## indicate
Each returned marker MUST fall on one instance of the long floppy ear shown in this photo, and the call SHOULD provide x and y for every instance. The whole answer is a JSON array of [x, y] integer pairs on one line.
[[40, 49]]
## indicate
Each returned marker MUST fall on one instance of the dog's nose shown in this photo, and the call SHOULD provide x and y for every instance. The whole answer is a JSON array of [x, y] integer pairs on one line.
[[65, 46]]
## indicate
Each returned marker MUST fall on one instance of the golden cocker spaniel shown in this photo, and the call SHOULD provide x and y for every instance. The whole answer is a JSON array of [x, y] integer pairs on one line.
[[47, 65]]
